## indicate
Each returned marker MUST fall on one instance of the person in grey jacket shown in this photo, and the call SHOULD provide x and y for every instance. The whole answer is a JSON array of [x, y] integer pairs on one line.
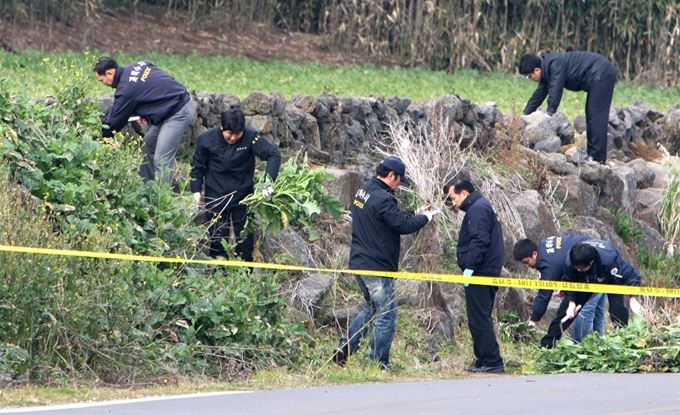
[[143, 89], [575, 71]]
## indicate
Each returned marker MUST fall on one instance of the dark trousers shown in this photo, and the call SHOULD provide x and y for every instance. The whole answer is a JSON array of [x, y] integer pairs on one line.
[[617, 312], [236, 218], [598, 102], [479, 301]]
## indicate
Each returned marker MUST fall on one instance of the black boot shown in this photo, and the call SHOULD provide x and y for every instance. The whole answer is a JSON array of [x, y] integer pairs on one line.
[[342, 352]]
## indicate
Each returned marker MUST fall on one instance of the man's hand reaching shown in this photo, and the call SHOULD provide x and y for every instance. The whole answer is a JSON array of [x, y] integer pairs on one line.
[[430, 213], [572, 310]]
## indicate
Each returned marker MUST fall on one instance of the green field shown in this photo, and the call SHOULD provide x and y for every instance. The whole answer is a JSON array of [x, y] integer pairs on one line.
[[240, 76]]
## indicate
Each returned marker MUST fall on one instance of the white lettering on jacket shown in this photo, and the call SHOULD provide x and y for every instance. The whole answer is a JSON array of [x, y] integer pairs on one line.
[[360, 198]]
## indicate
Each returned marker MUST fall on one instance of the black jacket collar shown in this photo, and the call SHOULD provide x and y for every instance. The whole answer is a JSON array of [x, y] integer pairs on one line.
[[383, 185], [116, 77], [472, 198]]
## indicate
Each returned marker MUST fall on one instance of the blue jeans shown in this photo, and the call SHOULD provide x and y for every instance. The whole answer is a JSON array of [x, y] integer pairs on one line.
[[591, 317], [161, 143], [379, 307]]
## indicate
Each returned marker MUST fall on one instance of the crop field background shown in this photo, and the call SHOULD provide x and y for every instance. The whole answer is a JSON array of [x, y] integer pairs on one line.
[[25, 71]]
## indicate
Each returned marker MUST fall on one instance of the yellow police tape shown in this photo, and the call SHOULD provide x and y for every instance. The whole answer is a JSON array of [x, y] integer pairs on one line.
[[419, 276]]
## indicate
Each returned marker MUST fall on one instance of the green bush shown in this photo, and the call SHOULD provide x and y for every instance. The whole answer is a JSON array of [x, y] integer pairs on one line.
[[513, 329], [63, 312], [54, 150], [232, 315], [631, 349], [65, 319], [660, 267], [626, 227], [669, 214]]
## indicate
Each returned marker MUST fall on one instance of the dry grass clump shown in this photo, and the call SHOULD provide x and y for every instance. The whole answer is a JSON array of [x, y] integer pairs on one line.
[[669, 214], [433, 155], [645, 151]]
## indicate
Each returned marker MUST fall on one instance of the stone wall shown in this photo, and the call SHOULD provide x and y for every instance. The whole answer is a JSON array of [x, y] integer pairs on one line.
[[330, 128]]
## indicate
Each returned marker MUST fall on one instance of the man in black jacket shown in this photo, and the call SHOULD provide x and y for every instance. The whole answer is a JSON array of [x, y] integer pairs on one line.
[[145, 90], [548, 257], [598, 262], [576, 71], [377, 225], [224, 161], [480, 251]]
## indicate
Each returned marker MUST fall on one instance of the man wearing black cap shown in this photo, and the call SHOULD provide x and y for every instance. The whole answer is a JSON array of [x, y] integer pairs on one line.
[[143, 89], [377, 224], [479, 251], [224, 160], [576, 71]]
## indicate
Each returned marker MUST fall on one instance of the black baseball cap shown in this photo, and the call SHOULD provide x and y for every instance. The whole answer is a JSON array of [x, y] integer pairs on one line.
[[396, 165]]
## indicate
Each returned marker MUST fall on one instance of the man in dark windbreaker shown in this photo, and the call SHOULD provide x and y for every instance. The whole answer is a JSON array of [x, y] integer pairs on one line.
[[576, 71], [598, 262], [548, 257], [143, 89], [224, 161], [377, 226], [480, 251]]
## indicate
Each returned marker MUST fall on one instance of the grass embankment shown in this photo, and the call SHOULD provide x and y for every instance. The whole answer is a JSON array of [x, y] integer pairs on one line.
[[409, 362], [240, 76]]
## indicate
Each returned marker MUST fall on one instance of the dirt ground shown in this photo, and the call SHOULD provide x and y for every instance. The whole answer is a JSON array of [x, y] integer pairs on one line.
[[154, 30]]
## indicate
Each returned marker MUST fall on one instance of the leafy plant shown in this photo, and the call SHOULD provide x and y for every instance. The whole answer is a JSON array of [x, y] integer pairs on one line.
[[513, 329], [231, 314], [626, 227], [299, 196], [662, 268], [634, 348], [14, 362]]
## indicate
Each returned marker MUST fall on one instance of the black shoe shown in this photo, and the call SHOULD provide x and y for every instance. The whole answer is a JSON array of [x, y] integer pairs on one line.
[[341, 353], [486, 369]]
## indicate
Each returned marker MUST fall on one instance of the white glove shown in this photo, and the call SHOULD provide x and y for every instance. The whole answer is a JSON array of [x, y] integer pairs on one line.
[[430, 213], [467, 272], [531, 323], [572, 310], [421, 210], [635, 306], [197, 198], [268, 192]]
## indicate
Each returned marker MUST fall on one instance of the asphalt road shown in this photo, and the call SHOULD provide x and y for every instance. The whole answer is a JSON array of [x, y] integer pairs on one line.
[[573, 394]]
